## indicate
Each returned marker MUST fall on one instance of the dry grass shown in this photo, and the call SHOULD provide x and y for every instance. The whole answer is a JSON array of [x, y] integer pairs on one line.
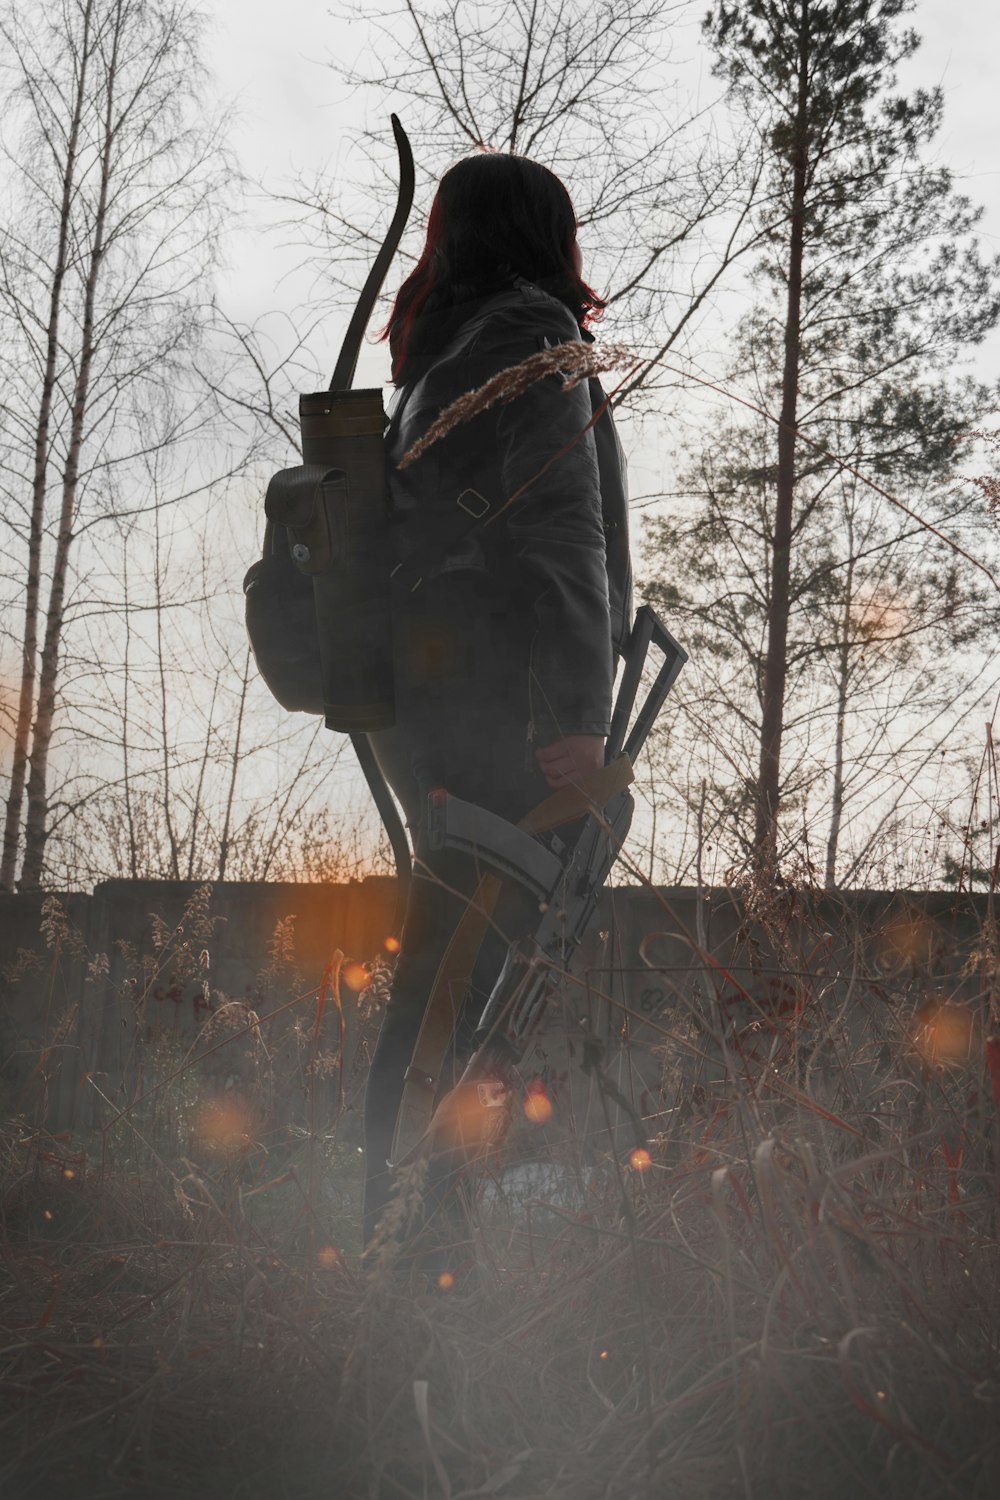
[[798, 1293], [573, 361]]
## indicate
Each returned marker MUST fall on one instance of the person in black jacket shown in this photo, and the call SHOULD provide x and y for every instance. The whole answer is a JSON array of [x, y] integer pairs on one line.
[[504, 650]]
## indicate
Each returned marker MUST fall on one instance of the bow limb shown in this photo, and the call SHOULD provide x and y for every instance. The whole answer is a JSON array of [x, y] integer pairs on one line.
[[343, 375]]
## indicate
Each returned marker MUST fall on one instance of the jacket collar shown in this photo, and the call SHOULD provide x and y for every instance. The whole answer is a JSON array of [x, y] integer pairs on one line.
[[511, 293]]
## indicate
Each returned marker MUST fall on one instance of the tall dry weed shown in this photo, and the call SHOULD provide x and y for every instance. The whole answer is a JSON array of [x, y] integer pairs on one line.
[[791, 1288]]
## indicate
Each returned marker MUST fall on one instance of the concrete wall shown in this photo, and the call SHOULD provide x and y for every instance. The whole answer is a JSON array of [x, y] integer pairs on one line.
[[99, 993], [105, 999]]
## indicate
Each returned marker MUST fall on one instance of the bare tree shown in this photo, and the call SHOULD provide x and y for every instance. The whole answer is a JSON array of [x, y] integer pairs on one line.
[[885, 624], [587, 87], [114, 187]]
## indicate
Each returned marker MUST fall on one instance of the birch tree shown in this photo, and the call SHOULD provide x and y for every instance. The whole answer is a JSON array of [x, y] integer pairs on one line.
[[113, 188]]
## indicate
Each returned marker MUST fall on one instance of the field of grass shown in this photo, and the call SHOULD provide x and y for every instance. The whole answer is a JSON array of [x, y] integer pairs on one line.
[[793, 1290]]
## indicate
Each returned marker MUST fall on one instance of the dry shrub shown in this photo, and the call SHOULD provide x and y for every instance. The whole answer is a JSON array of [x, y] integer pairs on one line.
[[791, 1290]]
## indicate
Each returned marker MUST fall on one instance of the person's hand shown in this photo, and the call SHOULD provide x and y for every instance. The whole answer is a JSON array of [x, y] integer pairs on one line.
[[568, 760]]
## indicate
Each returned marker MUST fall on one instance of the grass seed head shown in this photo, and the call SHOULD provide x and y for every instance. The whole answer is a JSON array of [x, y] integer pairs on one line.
[[573, 361]]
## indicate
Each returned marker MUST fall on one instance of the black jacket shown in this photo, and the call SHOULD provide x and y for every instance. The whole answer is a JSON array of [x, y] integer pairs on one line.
[[560, 553]]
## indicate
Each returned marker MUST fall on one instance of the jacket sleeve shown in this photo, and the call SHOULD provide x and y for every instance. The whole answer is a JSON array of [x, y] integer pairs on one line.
[[555, 533]]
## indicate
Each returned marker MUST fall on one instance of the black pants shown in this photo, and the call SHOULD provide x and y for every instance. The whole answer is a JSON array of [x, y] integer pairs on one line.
[[462, 716]]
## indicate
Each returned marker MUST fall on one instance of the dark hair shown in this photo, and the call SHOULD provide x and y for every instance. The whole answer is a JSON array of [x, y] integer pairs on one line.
[[494, 217]]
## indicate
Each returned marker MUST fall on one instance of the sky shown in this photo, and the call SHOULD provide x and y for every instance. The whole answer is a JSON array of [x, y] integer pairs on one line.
[[269, 59], [293, 116]]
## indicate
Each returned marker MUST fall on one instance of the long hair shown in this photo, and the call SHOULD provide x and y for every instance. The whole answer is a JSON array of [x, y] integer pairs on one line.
[[494, 216]]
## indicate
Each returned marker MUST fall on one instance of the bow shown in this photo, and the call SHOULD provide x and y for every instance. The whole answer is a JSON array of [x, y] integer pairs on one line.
[[343, 375]]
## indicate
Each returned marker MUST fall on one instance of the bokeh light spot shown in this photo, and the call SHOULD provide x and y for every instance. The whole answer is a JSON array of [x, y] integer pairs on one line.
[[223, 1124], [356, 977], [945, 1033], [446, 1281], [640, 1159], [537, 1105], [904, 941]]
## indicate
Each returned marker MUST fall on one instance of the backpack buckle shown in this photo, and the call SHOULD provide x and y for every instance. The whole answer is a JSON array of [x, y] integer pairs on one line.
[[474, 504]]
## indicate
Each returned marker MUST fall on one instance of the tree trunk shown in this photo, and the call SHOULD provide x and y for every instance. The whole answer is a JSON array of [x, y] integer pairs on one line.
[[775, 666], [234, 772], [843, 682], [168, 816], [133, 863], [36, 826], [29, 651], [199, 789]]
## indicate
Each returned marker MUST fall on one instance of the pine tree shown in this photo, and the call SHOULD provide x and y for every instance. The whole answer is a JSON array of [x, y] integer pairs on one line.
[[870, 287]]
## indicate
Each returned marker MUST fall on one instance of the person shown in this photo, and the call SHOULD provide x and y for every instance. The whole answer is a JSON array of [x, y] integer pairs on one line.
[[504, 650]]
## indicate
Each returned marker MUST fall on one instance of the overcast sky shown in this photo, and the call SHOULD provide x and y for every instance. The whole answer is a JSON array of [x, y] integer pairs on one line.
[[292, 112], [269, 58]]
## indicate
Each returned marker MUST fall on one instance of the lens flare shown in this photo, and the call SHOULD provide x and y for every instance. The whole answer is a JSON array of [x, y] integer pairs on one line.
[[473, 1116], [906, 940], [946, 1034], [538, 1106], [223, 1124], [640, 1159]]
